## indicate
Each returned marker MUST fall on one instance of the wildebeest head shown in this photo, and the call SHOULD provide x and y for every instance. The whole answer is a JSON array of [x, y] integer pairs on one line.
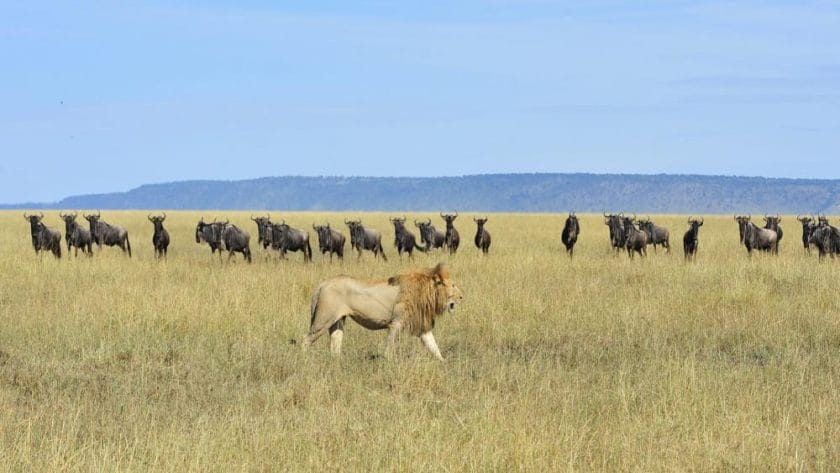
[[324, 233], [34, 221], [449, 218], [772, 222], [157, 221], [93, 221], [480, 222], [263, 228], [742, 220], [209, 232]]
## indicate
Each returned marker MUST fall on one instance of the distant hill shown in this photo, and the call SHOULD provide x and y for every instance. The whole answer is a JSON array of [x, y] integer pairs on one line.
[[484, 193]]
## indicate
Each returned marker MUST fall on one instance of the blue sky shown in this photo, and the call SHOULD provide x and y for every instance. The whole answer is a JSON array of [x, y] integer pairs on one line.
[[106, 96]]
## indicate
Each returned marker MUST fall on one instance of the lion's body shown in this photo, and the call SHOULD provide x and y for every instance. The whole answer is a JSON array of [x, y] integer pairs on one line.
[[410, 300]]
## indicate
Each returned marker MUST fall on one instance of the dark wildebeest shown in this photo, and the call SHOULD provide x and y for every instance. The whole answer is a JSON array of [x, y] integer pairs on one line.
[[285, 238], [772, 223], [160, 238], [108, 235], [690, 240], [826, 238], [634, 239], [615, 223], [211, 233], [453, 239], [329, 240], [362, 238], [657, 235], [482, 236], [44, 238], [404, 240], [263, 230], [756, 238], [571, 230], [808, 227], [430, 236], [76, 235], [235, 239]]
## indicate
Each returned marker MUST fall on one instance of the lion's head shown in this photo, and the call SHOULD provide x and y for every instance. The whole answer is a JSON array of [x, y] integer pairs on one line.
[[426, 294]]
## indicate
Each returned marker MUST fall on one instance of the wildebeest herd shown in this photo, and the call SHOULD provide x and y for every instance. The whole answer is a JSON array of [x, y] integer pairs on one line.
[[630, 234]]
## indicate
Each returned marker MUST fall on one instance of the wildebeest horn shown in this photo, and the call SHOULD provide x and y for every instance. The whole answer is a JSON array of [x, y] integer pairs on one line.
[[41, 214], [702, 220], [252, 218], [61, 214], [164, 217], [98, 213], [149, 216], [25, 217], [346, 222], [441, 215], [689, 219], [227, 221], [429, 221], [313, 226]]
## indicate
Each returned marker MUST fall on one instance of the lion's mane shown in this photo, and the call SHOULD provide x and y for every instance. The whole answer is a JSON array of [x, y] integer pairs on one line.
[[422, 296]]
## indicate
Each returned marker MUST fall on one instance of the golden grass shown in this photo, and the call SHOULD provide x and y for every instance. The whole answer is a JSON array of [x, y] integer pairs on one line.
[[596, 363]]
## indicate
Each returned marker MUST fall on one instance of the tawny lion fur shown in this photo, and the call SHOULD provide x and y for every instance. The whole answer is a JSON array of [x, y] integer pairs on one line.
[[411, 301]]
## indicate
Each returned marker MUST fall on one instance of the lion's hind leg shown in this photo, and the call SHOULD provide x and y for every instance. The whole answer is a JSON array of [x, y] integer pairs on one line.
[[336, 335], [316, 329]]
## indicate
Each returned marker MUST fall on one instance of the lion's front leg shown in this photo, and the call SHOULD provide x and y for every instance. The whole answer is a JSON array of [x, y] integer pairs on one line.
[[393, 335], [429, 340]]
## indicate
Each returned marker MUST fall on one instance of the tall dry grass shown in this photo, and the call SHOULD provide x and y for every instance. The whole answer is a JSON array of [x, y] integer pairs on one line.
[[597, 363]]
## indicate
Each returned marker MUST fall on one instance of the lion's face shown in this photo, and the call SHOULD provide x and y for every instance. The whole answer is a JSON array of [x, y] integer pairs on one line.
[[453, 294]]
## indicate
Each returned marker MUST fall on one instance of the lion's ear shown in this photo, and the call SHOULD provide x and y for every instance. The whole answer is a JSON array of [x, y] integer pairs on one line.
[[439, 272], [394, 281]]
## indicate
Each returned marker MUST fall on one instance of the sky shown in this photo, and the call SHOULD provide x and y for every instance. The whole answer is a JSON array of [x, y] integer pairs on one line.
[[106, 96]]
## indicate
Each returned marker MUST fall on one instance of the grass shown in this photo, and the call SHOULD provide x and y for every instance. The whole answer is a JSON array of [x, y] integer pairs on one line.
[[596, 363]]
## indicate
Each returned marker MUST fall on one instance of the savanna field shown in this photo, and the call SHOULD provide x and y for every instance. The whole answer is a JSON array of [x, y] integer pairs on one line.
[[596, 363]]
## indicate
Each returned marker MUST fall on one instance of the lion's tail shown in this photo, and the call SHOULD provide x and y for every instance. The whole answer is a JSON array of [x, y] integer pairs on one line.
[[314, 305]]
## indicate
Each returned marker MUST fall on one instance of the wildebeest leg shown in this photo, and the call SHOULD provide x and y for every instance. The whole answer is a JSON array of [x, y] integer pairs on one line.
[[393, 336], [429, 340], [336, 335]]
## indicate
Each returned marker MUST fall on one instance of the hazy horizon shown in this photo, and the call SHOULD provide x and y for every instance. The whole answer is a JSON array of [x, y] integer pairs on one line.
[[107, 97]]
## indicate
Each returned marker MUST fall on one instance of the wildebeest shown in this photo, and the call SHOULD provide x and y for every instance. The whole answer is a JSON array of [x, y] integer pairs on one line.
[[772, 223], [452, 239], [263, 230], [106, 234], [211, 233], [76, 235], [160, 237], [44, 238], [690, 240], [236, 240], [285, 238], [330, 240], [482, 236], [808, 227], [430, 236], [657, 235], [404, 240], [826, 238], [615, 223], [634, 239], [571, 230], [362, 238], [756, 238]]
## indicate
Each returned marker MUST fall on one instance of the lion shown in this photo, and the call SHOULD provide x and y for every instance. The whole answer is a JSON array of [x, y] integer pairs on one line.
[[411, 300]]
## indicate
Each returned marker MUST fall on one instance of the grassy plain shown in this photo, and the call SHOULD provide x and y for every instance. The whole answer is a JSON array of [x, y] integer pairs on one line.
[[595, 363]]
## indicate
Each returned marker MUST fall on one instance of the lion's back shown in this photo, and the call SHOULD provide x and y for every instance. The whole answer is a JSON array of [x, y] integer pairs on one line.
[[360, 299]]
